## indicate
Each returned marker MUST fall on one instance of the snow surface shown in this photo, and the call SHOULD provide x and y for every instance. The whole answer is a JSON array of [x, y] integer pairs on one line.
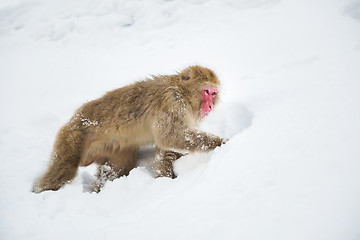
[[290, 73]]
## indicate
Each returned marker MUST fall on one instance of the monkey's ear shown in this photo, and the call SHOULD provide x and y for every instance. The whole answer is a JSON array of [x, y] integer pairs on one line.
[[211, 74], [186, 74]]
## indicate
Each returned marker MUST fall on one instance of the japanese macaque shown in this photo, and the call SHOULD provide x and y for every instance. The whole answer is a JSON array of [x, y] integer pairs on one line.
[[162, 111]]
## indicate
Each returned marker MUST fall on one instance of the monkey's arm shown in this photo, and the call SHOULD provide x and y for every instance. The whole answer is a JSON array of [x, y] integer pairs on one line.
[[163, 164], [196, 140], [176, 135]]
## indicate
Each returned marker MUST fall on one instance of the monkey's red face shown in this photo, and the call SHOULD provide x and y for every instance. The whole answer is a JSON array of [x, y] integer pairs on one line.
[[208, 94]]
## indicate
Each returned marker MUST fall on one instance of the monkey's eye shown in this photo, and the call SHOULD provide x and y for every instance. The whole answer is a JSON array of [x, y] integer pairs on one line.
[[207, 92], [214, 93]]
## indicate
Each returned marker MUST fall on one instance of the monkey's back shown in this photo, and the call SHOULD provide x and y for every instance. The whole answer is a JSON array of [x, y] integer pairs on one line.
[[126, 111]]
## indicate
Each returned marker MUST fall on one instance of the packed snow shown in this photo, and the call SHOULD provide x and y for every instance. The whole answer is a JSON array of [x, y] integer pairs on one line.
[[290, 73]]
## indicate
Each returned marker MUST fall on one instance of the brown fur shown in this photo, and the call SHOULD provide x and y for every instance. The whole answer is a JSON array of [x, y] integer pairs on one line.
[[109, 131]]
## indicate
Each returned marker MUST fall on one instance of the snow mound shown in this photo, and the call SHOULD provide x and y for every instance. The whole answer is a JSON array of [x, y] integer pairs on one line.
[[227, 120]]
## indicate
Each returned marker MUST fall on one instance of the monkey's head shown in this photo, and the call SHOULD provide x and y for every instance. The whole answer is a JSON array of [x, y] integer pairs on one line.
[[202, 83]]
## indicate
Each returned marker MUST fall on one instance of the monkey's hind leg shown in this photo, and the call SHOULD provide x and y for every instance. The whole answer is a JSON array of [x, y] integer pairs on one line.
[[58, 174], [163, 164], [120, 163], [64, 162]]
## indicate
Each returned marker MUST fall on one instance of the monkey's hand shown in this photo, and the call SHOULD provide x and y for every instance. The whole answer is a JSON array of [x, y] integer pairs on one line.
[[221, 141]]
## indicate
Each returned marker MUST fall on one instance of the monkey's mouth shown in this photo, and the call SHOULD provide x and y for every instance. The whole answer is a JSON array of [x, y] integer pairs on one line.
[[206, 108], [204, 113]]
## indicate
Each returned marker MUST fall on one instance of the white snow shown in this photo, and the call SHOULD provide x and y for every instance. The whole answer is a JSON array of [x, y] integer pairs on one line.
[[290, 73]]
